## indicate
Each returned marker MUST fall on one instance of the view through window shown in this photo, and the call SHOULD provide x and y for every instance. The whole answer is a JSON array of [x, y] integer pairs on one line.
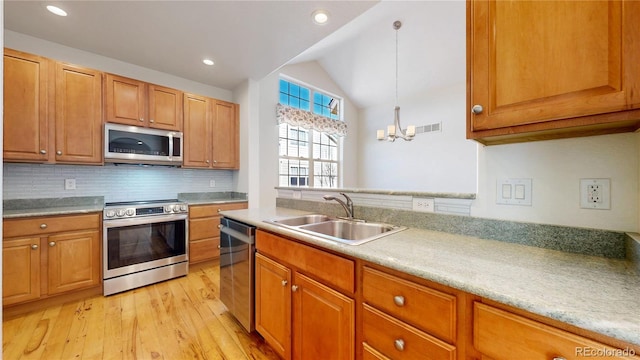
[[308, 158]]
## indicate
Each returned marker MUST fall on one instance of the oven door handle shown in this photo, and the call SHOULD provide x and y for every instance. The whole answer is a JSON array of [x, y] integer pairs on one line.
[[109, 223], [236, 234]]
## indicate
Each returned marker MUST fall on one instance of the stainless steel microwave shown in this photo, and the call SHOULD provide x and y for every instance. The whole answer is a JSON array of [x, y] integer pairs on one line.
[[138, 145]]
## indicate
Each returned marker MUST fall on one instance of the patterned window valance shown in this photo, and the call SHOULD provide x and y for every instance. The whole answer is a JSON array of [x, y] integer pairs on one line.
[[309, 120]]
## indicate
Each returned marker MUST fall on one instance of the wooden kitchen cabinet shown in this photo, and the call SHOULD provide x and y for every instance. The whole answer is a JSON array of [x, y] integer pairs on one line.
[[204, 234], [502, 335], [52, 111], [134, 102], [313, 291], [403, 319], [211, 133], [20, 270], [51, 255], [551, 69], [26, 113]]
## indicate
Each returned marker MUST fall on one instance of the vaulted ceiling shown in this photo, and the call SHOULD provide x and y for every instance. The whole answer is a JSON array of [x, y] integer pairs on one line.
[[250, 39]]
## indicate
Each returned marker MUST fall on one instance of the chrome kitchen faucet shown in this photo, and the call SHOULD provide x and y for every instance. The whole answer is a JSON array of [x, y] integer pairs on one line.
[[348, 206]]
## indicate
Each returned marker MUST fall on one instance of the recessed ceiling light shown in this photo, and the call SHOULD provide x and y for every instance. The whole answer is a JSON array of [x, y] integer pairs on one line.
[[208, 62], [320, 17], [56, 10]]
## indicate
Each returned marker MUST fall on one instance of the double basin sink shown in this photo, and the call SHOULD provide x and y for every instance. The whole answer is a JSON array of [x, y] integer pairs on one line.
[[352, 232]]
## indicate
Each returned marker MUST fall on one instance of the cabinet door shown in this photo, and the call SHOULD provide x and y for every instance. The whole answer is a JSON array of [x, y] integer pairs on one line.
[[125, 100], [165, 108], [323, 321], [273, 305], [197, 127], [78, 115], [20, 270], [26, 126], [73, 261], [536, 61], [225, 135]]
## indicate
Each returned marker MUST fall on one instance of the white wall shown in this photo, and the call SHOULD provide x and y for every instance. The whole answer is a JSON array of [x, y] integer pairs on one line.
[[432, 162], [556, 167], [29, 44]]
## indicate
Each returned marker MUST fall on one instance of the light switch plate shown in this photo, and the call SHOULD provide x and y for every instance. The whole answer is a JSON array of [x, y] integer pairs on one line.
[[514, 192]]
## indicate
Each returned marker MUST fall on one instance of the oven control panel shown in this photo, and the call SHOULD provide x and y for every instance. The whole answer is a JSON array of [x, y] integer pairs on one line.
[[117, 212]]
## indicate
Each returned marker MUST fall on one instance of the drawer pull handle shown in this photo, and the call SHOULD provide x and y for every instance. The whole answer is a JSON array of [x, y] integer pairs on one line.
[[399, 344], [43, 226], [34, 247], [294, 288], [284, 282], [398, 300]]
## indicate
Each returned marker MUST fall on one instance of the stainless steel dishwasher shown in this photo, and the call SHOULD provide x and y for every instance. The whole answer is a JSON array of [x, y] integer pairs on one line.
[[237, 250]]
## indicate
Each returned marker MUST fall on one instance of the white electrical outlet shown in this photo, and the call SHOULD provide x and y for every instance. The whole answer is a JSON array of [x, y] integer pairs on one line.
[[212, 183], [424, 205], [69, 184], [595, 193]]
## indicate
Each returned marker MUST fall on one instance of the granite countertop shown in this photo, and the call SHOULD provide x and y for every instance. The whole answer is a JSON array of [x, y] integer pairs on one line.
[[594, 293], [51, 206], [212, 198]]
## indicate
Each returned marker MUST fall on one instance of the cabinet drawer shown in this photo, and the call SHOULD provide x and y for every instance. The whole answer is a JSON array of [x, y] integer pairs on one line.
[[369, 353], [198, 211], [398, 340], [502, 335], [201, 250], [49, 224], [430, 310], [331, 269], [204, 228]]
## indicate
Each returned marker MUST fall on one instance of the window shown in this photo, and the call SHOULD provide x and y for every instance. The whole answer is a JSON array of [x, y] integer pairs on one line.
[[308, 157]]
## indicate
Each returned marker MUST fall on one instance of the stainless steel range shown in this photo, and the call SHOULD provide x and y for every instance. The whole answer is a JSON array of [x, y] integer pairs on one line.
[[144, 242]]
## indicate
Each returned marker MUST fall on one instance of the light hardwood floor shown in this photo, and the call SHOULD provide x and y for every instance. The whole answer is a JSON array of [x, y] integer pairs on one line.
[[177, 319]]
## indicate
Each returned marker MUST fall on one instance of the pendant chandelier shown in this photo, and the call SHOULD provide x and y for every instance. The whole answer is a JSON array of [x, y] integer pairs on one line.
[[395, 131]]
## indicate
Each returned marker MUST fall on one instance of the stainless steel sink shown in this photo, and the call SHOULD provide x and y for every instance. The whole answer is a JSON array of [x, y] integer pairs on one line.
[[352, 232], [302, 220]]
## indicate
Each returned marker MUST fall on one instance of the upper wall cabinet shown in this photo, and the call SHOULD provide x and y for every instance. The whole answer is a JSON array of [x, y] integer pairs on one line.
[[52, 111], [551, 69], [133, 102], [210, 133]]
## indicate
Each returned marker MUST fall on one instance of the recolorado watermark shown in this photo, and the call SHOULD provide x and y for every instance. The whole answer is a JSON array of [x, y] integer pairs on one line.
[[587, 351]]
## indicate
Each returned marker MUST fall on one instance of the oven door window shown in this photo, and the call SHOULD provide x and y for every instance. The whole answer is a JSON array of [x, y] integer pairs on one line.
[[135, 244]]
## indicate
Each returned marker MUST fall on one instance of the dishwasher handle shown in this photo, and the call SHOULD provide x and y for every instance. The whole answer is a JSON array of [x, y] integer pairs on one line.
[[236, 234]]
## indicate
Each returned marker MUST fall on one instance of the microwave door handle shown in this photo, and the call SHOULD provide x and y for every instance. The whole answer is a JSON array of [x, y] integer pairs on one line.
[[170, 146]]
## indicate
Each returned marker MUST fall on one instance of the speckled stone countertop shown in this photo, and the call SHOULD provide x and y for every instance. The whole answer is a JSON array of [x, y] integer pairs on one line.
[[204, 198], [51, 206], [594, 293]]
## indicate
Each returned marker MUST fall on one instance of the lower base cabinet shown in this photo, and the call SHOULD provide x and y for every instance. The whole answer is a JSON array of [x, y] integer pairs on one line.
[[204, 234], [299, 316], [47, 256]]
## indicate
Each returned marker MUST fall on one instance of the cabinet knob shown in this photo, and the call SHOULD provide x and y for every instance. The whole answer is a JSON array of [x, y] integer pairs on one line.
[[294, 288], [58, 152], [208, 161], [284, 282], [151, 120], [559, 358], [399, 344], [215, 161], [141, 119], [218, 247], [398, 300], [43, 151], [43, 226], [220, 226], [477, 109], [219, 210], [52, 243], [34, 246]]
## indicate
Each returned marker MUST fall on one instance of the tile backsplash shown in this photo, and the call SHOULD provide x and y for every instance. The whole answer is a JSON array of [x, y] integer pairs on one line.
[[114, 182]]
